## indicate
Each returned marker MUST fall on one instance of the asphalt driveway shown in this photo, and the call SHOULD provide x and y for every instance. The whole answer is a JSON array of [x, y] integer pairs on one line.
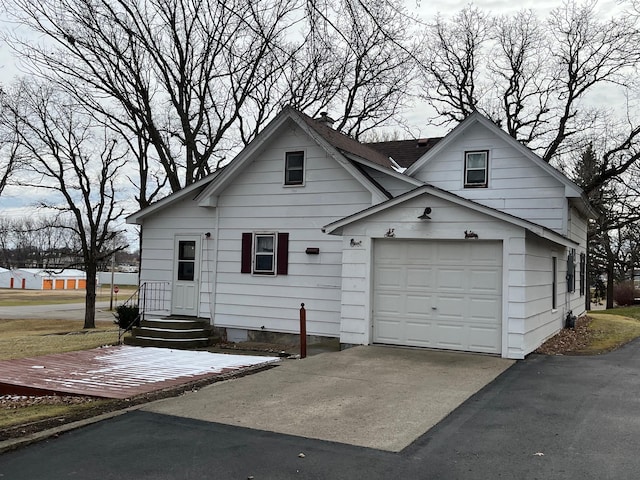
[[543, 418]]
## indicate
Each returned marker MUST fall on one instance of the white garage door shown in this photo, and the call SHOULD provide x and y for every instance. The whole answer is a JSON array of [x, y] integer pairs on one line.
[[438, 294]]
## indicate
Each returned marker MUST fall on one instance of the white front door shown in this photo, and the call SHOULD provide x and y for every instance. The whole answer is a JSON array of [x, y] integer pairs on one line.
[[186, 276], [438, 294]]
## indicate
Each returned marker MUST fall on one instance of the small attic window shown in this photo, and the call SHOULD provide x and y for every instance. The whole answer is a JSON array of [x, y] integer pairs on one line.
[[294, 168], [476, 169]]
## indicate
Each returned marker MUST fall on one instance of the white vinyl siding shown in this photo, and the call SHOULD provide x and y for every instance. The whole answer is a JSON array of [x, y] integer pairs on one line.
[[159, 243], [256, 202], [515, 184]]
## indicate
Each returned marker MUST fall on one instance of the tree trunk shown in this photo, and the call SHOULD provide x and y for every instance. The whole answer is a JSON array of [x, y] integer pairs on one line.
[[586, 276], [610, 275], [90, 299]]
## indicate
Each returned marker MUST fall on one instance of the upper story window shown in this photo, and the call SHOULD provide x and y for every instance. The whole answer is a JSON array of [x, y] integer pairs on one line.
[[294, 168], [476, 169]]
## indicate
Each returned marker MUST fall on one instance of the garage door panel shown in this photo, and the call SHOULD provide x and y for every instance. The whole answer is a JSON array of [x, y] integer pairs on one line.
[[438, 294], [452, 279], [483, 309], [484, 340], [390, 277], [485, 253], [450, 307], [389, 330], [451, 253], [390, 303], [450, 335], [418, 304], [487, 281], [421, 278], [417, 255], [418, 334]]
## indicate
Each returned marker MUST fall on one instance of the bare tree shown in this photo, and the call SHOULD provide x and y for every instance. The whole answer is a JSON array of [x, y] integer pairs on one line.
[[9, 161], [37, 242], [534, 78], [357, 63], [454, 54], [176, 74], [75, 167], [186, 82], [611, 235]]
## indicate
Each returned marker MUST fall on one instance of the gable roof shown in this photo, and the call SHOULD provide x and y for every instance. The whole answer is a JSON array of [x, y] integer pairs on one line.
[[571, 189], [343, 142], [194, 189], [338, 145], [405, 152], [335, 228]]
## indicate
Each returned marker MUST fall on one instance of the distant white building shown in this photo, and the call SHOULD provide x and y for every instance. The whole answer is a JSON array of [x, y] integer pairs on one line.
[[39, 279]]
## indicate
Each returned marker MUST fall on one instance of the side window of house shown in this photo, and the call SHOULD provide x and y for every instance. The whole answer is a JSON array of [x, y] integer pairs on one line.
[[571, 270], [265, 253], [476, 169], [294, 168], [583, 268], [554, 282]]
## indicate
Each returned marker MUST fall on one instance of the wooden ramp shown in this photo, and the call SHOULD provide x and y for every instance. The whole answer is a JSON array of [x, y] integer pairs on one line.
[[116, 372]]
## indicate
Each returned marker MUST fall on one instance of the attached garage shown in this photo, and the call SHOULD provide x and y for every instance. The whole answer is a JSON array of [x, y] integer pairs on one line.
[[438, 294]]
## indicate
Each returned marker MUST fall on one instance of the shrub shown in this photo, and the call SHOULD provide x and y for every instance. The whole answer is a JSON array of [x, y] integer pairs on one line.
[[623, 293], [127, 316]]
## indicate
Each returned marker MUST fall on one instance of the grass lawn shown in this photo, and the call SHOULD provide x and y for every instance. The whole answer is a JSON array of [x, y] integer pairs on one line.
[[22, 415], [610, 329], [21, 338], [11, 297]]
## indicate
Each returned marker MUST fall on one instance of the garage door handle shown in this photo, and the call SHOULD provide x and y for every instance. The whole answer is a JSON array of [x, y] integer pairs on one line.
[[434, 308]]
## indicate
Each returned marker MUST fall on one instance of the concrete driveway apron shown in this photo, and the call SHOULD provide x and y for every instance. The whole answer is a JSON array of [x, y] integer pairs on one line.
[[369, 396]]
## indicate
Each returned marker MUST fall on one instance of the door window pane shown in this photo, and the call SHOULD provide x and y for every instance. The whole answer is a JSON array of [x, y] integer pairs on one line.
[[187, 250], [186, 271], [186, 260]]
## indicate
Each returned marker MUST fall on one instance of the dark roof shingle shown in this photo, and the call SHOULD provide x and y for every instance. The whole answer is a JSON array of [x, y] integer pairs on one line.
[[345, 143], [405, 152]]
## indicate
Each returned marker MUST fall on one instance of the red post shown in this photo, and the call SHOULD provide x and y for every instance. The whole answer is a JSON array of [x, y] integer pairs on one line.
[[303, 331]]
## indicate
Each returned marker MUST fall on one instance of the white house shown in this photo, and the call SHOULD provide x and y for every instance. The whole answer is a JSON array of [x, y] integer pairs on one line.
[[470, 242]]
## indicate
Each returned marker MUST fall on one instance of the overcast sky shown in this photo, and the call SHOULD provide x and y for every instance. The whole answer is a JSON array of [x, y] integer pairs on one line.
[[426, 10]]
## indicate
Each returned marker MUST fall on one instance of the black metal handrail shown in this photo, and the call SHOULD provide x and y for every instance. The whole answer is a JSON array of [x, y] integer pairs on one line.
[[149, 296]]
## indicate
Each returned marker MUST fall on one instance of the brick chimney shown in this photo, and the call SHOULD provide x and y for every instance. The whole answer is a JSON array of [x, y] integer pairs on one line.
[[325, 119]]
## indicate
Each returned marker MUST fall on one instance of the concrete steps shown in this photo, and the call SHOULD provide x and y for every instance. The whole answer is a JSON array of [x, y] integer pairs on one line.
[[171, 332]]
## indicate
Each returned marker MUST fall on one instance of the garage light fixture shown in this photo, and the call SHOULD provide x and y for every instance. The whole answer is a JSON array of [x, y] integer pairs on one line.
[[425, 214]]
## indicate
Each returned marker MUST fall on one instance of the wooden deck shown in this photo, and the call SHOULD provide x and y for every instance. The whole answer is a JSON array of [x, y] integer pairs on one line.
[[116, 372]]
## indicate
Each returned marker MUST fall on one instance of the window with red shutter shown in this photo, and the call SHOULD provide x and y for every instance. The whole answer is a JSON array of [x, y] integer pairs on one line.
[[265, 253]]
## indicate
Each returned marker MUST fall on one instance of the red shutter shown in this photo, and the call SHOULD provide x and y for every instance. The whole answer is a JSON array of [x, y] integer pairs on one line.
[[283, 254], [245, 265]]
